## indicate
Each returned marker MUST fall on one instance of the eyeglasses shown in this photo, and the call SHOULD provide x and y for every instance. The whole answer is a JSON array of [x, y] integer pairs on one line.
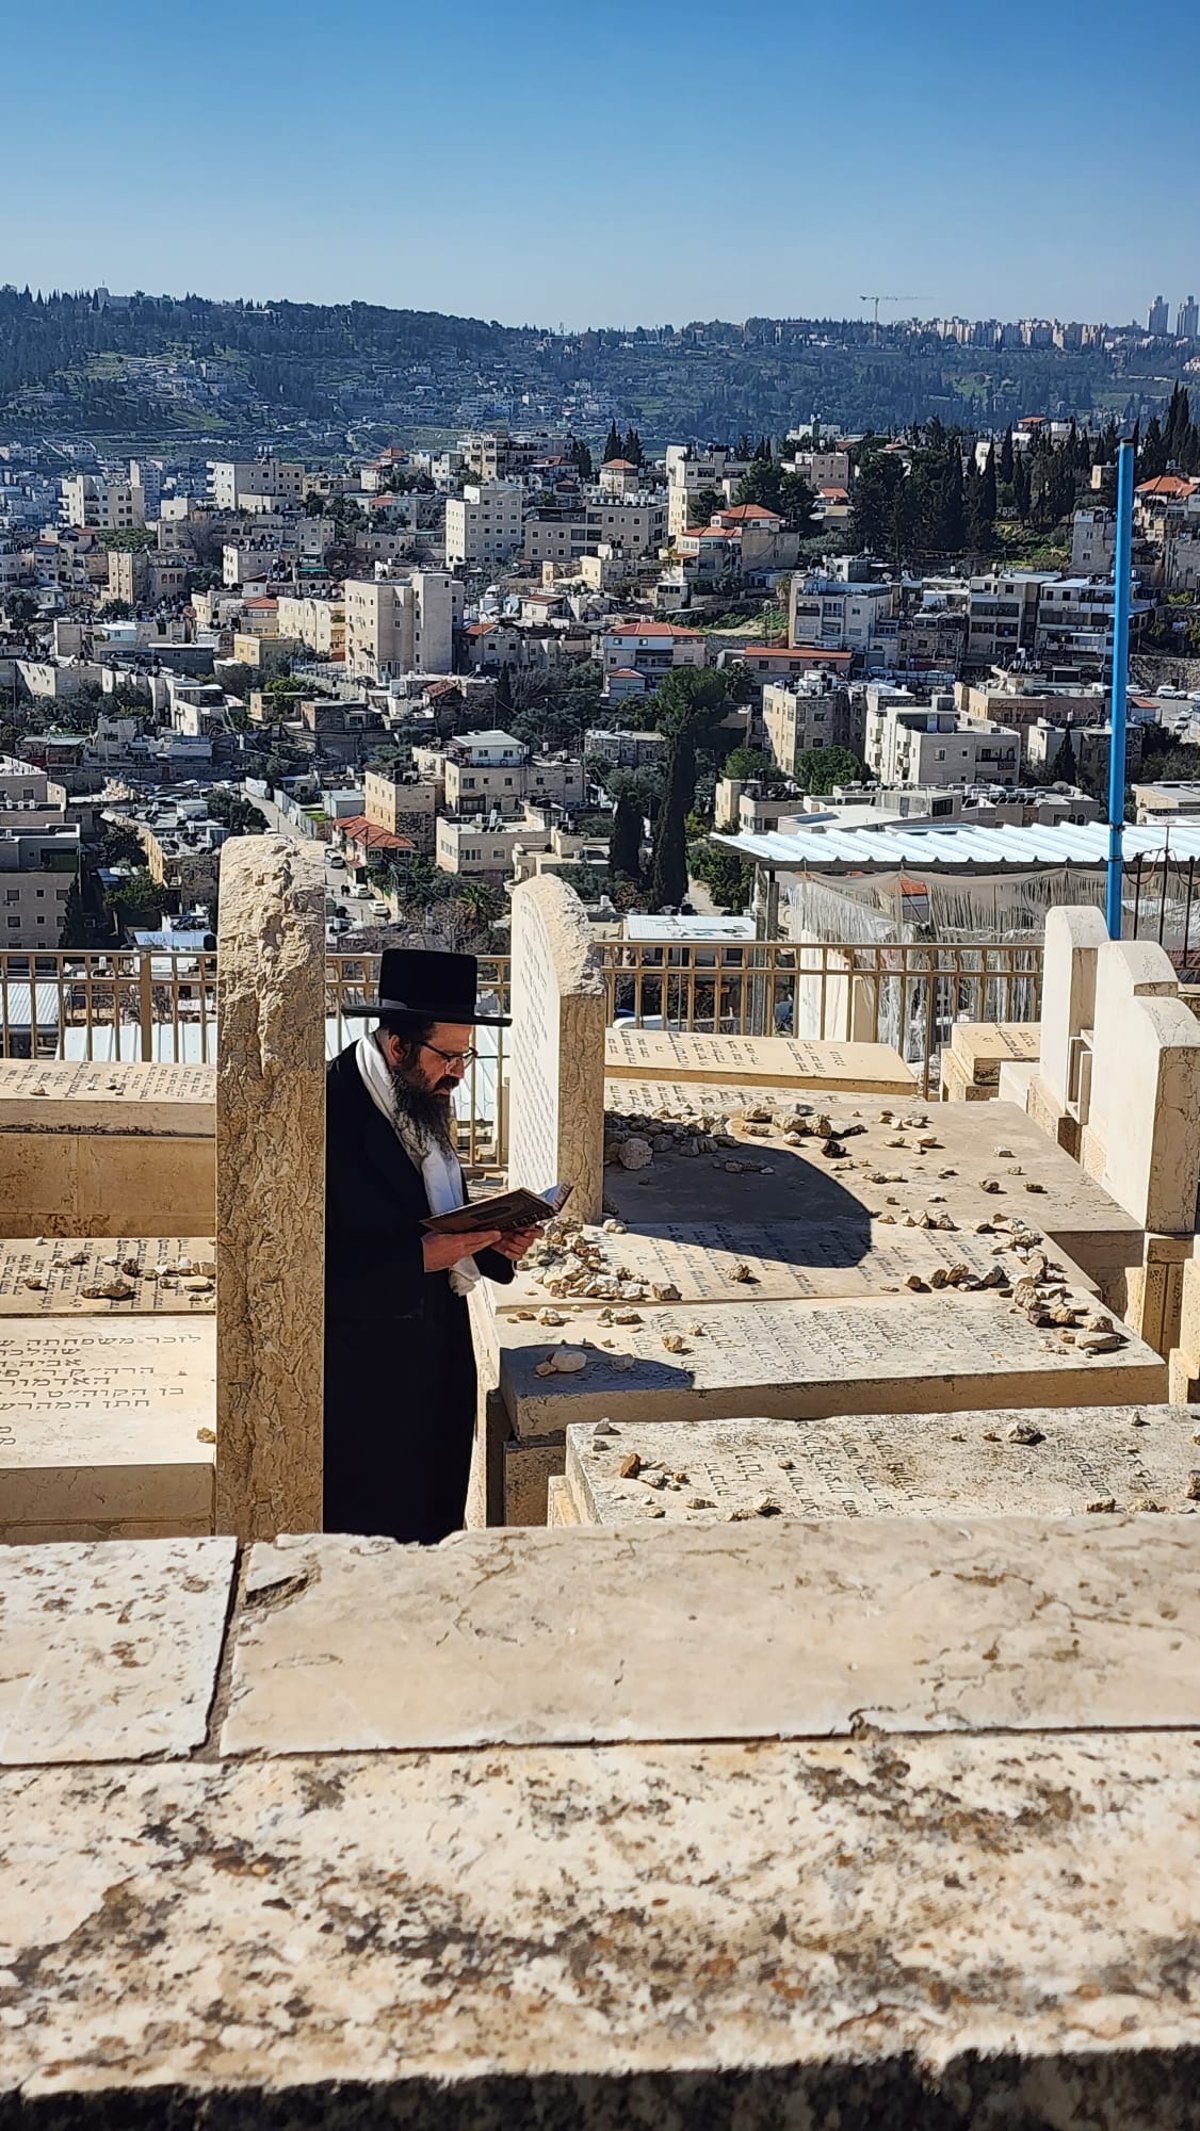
[[463, 1058]]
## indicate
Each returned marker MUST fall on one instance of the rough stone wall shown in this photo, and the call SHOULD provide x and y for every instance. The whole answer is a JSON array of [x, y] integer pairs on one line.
[[270, 1187]]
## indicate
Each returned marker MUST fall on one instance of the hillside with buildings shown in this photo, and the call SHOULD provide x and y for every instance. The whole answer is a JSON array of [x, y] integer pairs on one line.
[[156, 370]]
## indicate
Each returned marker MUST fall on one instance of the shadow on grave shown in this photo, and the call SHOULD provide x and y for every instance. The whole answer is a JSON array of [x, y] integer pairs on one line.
[[814, 1219]]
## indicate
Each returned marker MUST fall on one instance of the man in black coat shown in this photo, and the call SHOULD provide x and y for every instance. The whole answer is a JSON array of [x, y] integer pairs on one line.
[[399, 1364]]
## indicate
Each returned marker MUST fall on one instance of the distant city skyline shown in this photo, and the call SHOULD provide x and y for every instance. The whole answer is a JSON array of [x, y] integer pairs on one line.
[[665, 164]]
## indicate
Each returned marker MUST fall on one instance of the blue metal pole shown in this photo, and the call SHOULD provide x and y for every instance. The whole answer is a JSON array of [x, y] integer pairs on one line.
[[1122, 573]]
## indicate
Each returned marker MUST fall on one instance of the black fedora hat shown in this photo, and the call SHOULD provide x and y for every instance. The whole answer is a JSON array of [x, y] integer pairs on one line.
[[427, 982]]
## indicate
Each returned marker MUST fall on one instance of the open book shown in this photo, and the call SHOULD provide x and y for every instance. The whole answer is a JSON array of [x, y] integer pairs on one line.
[[508, 1210]]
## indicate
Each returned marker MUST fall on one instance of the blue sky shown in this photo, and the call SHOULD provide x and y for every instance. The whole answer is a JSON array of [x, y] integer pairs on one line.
[[608, 164]]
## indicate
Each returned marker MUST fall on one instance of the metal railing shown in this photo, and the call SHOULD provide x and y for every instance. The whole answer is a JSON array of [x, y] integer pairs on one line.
[[162, 1006]]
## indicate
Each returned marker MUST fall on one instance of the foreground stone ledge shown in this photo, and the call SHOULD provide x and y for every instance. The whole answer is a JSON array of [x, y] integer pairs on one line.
[[1043, 1461], [110, 1652], [943, 1932], [791, 1630]]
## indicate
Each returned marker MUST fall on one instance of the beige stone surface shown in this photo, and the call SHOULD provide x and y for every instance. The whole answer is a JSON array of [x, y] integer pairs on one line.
[[110, 1653], [720, 1262], [162, 1275], [964, 1932], [942, 1352], [1051, 1117], [106, 1184], [956, 1085], [528, 1469], [556, 1046], [790, 1062], [105, 1427], [84, 1476], [270, 1186], [1147, 1065], [1000, 1462], [1015, 1080], [898, 1160], [982, 1047], [778, 1628], [560, 1501], [152, 1100], [1073, 939]]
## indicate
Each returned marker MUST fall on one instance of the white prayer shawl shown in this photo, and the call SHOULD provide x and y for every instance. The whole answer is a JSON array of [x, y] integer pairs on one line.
[[440, 1171]]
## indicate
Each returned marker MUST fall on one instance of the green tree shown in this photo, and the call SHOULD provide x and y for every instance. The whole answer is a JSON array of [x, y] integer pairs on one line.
[[139, 900], [631, 449], [728, 878], [1152, 458], [704, 506], [981, 526], [762, 483], [747, 763], [504, 692], [798, 503], [818, 769], [876, 514], [582, 458], [612, 444], [689, 706], [76, 931], [1066, 767], [1007, 458], [625, 840], [119, 846], [240, 816]]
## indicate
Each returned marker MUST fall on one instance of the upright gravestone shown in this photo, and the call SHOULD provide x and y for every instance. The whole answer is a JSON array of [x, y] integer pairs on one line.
[[1074, 937], [556, 1074], [270, 1187]]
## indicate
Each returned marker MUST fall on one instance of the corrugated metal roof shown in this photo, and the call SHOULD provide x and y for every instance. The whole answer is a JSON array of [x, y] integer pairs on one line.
[[15, 1002], [944, 846]]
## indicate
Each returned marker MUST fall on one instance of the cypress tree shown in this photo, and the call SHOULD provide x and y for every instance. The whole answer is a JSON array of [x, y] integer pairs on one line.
[[1007, 458], [625, 840], [632, 448], [612, 443]]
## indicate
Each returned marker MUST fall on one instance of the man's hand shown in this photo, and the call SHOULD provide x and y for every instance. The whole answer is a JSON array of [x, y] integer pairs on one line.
[[515, 1244], [441, 1252]]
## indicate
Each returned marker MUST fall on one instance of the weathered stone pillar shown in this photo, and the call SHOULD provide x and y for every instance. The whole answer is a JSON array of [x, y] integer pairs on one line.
[[270, 1187], [556, 1073]]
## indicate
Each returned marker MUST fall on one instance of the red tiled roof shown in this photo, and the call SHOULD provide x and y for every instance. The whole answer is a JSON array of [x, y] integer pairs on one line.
[[810, 652], [1167, 485], [835, 495], [743, 511], [371, 836], [648, 629], [622, 466]]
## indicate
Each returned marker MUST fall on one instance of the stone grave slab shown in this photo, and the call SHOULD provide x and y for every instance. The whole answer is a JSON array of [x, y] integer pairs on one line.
[[154, 1100], [761, 1933], [50, 1277], [982, 1047], [106, 1428], [942, 1352], [884, 1173], [556, 1045], [786, 1261], [780, 1629], [786, 1061], [1009, 1461], [110, 1652]]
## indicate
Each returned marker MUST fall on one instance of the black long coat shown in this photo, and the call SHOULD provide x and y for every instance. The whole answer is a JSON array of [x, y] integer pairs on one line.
[[399, 1364]]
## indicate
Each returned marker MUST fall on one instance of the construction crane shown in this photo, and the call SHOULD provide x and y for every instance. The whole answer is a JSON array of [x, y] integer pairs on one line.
[[877, 300]]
